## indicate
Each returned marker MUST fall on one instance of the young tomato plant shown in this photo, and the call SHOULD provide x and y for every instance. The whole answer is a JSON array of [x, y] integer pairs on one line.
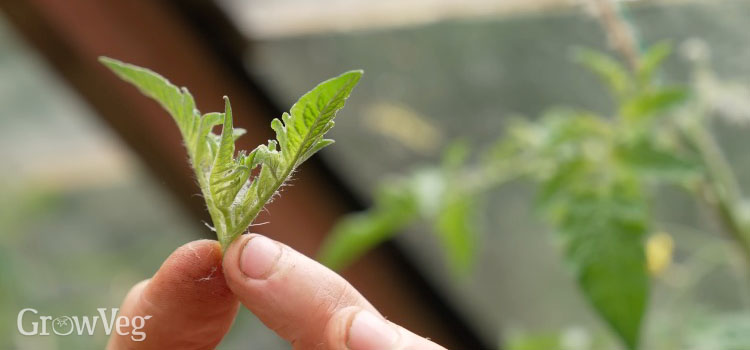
[[234, 195]]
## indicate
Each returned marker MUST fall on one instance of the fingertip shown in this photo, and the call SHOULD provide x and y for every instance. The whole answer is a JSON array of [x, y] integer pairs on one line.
[[192, 272], [188, 299]]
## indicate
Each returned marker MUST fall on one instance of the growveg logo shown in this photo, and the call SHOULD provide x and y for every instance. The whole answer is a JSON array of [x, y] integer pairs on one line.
[[30, 323]]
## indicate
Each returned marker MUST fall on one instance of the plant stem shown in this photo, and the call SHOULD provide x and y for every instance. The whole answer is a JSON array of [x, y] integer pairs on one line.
[[619, 32], [722, 184]]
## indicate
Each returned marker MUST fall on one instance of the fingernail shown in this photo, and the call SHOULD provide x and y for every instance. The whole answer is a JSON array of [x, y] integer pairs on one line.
[[259, 257], [370, 332]]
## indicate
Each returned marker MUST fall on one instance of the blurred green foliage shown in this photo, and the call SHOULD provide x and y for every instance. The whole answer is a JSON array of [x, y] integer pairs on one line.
[[18, 206], [574, 338], [596, 177]]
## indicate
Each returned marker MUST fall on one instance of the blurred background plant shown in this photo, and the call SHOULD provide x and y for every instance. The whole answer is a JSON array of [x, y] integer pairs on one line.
[[597, 176], [450, 136]]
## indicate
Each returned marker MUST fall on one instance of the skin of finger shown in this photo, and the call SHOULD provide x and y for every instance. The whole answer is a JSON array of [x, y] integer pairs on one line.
[[337, 333], [411, 341], [190, 304], [296, 299]]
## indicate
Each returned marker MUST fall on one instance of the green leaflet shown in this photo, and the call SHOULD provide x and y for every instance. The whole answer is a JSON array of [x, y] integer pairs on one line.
[[457, 220], [598, 207], [602, 229], [655, 163], [395, 208], [651, 61], [611, 272], [594, 198], [456, 225], [649, 103], [609, 70], [519, 339], [400, 203], [234, 197]]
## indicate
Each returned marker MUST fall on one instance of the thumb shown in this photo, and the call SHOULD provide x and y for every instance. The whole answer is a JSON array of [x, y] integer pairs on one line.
[[358, 329], [307, 304]]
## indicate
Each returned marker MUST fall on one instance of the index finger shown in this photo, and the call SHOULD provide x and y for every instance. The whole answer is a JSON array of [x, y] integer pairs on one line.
[[188, 300]]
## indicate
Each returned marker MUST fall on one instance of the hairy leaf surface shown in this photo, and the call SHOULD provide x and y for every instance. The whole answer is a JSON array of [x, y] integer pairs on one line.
[[233, 197]]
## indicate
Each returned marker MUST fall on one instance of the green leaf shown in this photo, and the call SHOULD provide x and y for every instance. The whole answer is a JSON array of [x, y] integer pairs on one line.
[[178, 102], [395, 207], [611, 271], [555, 189], [455, 155], [457, 227], [228, 175], [612, 72], [650, 61], [653, 102], [537, 341], [400, 202], [650, 161], [232, 197], [301, 133], [602, 229], [572, 338]]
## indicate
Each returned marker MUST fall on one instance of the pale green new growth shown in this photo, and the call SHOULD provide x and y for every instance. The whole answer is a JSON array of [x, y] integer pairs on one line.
[[234, 196]]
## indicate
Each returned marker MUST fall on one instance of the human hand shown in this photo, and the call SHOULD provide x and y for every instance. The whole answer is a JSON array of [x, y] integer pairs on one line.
[[194, 298]]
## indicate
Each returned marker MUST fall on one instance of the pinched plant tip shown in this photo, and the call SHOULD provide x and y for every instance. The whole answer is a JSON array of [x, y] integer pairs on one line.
[[233, 195]]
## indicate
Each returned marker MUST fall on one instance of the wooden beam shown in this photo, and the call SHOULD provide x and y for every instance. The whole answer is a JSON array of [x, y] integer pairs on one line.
[[72, 34]]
